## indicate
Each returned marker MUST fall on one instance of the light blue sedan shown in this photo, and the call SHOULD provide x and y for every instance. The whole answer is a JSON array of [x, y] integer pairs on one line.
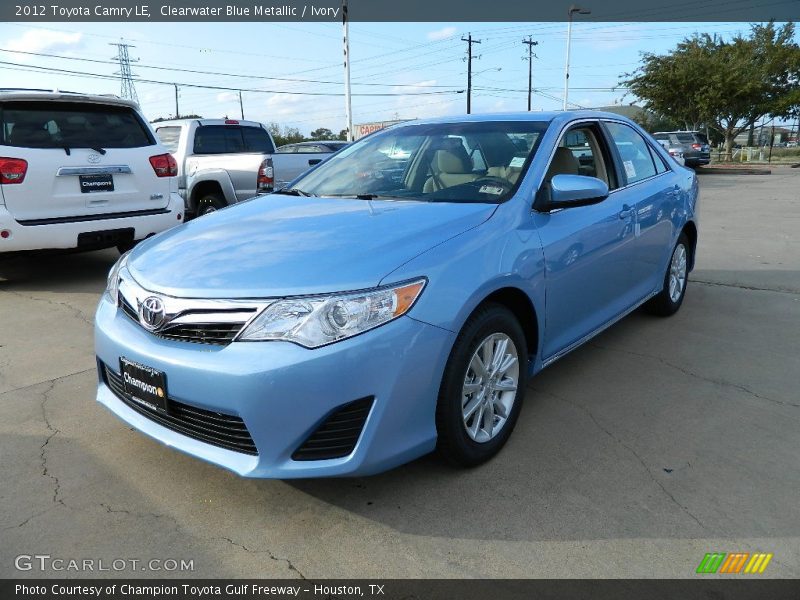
[[397, 298]]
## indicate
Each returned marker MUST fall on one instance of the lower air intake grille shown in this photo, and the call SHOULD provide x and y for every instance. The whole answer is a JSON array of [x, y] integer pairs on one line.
[[218, 429], [338, 434]]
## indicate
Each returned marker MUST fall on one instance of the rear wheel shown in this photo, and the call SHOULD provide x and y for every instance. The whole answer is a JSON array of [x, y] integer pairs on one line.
[[210, 203], [483, 386], [124, 247], [669, 300]]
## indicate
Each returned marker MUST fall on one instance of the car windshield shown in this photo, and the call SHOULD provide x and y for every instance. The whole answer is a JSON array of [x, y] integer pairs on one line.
[[480, 162]]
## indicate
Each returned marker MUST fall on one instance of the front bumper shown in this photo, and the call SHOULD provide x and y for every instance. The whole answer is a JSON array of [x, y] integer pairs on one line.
[[64, 234], [283, 392]]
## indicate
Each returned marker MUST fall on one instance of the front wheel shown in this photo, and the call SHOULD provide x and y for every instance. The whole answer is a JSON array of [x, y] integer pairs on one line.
[[669, 300], [483, 387]]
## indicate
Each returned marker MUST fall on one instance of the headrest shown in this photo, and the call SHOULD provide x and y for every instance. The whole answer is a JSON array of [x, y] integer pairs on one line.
[[453, 160], [564, 163]]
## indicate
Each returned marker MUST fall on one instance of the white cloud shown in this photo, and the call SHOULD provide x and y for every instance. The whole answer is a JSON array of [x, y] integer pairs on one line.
[[442, 34], [227, 97], [46, 41], [283, 105]]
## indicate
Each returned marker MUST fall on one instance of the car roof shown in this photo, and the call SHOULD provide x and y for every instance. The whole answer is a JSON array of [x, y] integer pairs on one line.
[[314, 143], [541, 116], [62, 96], [204, 122]]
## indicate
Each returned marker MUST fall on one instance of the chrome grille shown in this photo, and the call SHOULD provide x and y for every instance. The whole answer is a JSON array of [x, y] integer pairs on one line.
[[191, 327]]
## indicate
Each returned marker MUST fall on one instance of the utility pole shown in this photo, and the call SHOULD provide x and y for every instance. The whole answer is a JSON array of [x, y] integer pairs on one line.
[[469, 41], [241, 105], [177, 111], [127, 90], [347, 105], [530, 44]]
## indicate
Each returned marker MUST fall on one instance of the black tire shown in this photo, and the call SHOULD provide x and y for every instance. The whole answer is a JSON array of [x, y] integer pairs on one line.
[[123, 248], [663, 304], [210, 203], [454, 443]]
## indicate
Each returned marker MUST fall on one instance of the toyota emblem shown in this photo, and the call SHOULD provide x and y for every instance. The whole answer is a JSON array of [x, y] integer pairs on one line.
[[151, 313], [93, 158]]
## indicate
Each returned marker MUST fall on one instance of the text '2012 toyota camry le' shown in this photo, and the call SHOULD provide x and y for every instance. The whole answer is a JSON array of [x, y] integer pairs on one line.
[[397, 298]]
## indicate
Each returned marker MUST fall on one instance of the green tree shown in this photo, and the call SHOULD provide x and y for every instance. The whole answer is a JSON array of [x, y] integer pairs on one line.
[[323, 133], [728, 85], [285, 135], [342, 135]]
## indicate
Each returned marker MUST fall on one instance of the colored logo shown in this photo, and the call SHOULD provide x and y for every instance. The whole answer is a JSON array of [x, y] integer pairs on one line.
[[734, 562]]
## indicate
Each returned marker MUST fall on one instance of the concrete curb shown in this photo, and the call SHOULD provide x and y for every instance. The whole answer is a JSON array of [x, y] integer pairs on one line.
[[733, 171]]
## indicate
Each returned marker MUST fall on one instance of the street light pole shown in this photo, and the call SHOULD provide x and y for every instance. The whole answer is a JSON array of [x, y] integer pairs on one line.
[[348, 107], [572, 10]]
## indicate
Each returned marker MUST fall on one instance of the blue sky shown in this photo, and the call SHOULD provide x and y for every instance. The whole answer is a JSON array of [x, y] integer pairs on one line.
[[410, 60]]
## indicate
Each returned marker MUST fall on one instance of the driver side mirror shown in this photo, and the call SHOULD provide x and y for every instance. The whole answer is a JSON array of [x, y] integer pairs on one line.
[[569, 191]]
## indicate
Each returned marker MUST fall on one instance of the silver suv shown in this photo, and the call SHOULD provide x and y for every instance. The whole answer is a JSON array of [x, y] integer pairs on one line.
[[81, 171], [692, 144]]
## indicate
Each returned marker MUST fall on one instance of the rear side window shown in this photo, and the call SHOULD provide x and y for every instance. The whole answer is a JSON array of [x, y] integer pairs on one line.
[[72, 125], [637, 163], [257, 140], [217, 139], [169, 137], [225, 139], [661, 166]]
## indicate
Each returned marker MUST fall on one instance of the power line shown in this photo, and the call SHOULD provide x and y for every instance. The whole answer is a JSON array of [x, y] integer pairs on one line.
[[215, 73], [74, 73]]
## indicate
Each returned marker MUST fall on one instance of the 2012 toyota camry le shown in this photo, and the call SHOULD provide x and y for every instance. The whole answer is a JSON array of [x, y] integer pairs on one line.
[[397, 298]]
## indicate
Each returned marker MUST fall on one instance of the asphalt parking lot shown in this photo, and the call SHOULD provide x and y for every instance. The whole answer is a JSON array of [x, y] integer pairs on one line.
[[635, 455]]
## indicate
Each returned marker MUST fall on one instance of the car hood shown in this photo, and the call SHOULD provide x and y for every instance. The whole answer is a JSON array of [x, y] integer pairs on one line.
[[279, 245]]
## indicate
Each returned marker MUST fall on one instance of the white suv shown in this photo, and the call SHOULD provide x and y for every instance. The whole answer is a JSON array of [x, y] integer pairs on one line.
[[81, 171]]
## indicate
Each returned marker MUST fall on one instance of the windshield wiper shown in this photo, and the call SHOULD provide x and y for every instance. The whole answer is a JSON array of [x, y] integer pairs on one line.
[[379, 197], [294, 192], [98, 150]]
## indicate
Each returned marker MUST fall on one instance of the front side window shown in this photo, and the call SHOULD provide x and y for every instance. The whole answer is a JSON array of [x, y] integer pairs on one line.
[[442, 162], [38, 124], [637, 163], [581, 152]]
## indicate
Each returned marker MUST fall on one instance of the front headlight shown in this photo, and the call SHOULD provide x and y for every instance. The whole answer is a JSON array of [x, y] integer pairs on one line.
[[112, 284], [316, 321]]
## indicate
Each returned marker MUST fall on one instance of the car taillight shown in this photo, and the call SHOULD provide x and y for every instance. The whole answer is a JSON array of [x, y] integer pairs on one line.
[[697, 146], [164, 165], [266, 176], [12, 170]]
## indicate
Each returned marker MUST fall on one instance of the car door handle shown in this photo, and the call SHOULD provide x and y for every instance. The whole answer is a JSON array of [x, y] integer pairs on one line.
[[626, 212], [314, 161], [674, 191]]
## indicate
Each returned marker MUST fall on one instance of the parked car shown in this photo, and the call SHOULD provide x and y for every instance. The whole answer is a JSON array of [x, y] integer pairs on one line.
[[357, 321], [675, 152], [220, 161], [81, 171], [692, 144], [295, 159]]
